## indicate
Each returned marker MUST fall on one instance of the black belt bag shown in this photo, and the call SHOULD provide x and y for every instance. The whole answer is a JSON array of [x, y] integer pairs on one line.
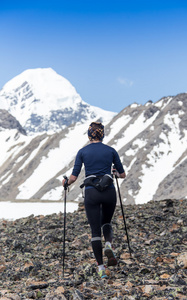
[[99, 182]]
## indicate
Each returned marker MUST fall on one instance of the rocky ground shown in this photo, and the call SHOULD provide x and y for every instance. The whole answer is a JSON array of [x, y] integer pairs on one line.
[[31, 264]]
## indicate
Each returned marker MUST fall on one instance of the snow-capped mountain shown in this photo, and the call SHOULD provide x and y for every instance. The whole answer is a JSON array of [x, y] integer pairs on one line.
[[44, 101], [151, 140]]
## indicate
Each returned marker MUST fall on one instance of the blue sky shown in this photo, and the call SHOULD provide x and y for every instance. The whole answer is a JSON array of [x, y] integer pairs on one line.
[[113, 52]]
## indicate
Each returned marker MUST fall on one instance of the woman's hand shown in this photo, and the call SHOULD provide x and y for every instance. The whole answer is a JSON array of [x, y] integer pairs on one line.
[[65, 182]]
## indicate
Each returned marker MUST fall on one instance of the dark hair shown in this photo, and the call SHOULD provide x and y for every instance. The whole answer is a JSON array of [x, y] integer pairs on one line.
[[96, 131]]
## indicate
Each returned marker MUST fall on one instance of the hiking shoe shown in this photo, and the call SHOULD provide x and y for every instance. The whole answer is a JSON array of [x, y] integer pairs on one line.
[[112, 261], [103, 274]]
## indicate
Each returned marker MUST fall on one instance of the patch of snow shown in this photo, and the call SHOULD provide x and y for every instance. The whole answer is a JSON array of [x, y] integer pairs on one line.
[[7, 179], [15, 210], [181, 112], [134, 105], [131, 164], [54, 194], [33, 154], [131, 152], [148, 103], [20, 158], [139, 143], [79, 197], [116, 127], [11, 143], [134, 129], [161, 104]]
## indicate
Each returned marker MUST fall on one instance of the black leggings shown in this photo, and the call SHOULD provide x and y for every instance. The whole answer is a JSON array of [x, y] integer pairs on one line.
[[100, 207]]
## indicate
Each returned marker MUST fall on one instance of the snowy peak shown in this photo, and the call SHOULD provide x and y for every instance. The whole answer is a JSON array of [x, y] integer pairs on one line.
[[46, 85], [42, 100]]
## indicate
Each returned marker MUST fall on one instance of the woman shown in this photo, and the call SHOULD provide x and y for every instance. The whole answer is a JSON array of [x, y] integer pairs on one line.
[[100, 194]]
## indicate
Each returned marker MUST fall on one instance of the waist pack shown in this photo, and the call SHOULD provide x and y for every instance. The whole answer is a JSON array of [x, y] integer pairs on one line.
[[99, 182]]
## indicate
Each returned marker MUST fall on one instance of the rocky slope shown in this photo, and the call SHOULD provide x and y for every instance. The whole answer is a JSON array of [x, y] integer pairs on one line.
[[7, 121], [31, 256]]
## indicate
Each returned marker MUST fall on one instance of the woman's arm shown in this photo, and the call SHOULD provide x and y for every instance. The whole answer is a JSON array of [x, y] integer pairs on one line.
[[117, 174], [71, 180], [122, 175]]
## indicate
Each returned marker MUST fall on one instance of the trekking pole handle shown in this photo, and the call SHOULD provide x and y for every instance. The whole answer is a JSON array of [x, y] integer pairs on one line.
[[114, 171], [66, 182]]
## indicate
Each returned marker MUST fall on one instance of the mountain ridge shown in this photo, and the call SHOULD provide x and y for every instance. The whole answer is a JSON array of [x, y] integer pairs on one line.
[[151, 140]]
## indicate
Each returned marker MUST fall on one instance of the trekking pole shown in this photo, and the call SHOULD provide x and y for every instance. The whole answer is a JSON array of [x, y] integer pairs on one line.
[[65, 190], [123, 215]]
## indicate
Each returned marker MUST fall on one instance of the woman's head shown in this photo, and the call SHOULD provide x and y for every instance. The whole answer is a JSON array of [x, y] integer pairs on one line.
[[96, 131]]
